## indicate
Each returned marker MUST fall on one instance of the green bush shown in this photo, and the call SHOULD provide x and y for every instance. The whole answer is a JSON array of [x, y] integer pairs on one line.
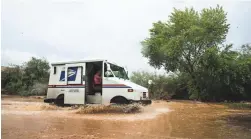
[[163, 86], [39, 89], [30, 78], [238, 105]]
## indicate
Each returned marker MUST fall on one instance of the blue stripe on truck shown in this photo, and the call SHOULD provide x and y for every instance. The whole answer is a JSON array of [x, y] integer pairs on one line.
[[83, 86]]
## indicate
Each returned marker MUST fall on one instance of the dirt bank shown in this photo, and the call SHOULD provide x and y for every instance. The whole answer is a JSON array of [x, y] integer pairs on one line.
[[30, 118]]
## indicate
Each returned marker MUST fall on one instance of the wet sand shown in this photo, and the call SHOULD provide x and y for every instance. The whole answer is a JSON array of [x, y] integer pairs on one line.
[[30, 118]]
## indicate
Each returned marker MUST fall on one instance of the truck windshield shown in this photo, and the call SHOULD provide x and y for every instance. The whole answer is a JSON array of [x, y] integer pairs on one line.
[[119, 71]]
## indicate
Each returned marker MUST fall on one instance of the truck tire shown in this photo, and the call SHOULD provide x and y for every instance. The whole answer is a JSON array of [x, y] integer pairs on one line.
[[60, 100]]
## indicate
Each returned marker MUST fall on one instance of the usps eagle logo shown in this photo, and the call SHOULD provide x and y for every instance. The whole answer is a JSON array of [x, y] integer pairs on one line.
[[72, 72]]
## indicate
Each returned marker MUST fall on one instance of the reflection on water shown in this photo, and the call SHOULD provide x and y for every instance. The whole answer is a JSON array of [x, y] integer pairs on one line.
[[185, 120]]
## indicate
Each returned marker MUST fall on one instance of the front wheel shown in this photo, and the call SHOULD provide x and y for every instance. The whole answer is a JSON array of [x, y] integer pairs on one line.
[[120, 101]]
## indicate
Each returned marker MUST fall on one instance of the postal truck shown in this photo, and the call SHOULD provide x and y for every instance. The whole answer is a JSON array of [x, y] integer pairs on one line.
[[73, 83]]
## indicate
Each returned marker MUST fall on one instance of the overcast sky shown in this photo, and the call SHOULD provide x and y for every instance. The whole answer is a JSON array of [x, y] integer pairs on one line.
[[62, 30]]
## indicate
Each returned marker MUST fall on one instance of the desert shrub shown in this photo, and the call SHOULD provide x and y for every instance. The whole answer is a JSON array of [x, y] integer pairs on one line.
[[39, 89], [163, 87], [30, 78]]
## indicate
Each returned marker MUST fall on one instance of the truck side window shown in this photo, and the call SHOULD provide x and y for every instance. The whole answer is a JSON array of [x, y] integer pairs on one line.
[[55, 70]]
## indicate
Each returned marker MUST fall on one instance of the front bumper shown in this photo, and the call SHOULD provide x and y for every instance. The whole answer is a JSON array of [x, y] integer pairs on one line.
[[144, 102]]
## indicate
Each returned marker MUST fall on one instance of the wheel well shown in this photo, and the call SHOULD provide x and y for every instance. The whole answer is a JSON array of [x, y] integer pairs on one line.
[[119, 99], [60, 100], [60, 96]]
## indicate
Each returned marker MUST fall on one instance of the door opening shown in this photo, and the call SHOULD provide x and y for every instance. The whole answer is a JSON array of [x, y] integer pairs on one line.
[[94, 84]]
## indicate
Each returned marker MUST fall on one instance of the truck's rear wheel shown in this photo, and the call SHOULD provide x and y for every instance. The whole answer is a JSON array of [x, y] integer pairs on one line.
[[119, 100], [60, 100]]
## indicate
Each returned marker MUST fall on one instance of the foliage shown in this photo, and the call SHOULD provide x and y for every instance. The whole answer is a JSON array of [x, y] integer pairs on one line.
[[142, 78], [225, 75], [39, 89], [193, 44], [238, 105], [163, 86], [28, 79], [11, 78], [179, 43]]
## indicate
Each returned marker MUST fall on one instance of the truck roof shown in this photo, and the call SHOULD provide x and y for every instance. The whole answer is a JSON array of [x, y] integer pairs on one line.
[[74, 62]]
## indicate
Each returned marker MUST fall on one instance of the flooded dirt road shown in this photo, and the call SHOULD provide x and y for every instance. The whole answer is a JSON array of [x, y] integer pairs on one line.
[[24, 118]]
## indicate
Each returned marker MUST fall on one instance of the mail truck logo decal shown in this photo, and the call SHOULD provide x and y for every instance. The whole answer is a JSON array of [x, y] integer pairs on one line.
[[72, 73]]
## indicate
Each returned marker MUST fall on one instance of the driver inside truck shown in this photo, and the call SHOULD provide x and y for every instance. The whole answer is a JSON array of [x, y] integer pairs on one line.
[[97, 78], [97, 81]]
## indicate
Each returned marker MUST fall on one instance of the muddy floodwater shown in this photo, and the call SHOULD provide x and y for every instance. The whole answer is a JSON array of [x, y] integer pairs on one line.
[[30, 118]]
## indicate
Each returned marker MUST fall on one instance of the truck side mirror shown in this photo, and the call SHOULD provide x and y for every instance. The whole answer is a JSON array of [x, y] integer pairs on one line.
[[126, 70], [108, 73]]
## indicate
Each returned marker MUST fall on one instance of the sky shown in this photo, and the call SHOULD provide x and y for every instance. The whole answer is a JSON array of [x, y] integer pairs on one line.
[[66, 30]]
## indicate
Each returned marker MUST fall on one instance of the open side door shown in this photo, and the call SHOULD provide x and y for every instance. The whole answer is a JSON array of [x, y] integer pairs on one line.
[[75, 90]]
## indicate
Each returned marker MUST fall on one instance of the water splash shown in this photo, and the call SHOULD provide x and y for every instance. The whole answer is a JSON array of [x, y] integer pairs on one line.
[[33, 108]]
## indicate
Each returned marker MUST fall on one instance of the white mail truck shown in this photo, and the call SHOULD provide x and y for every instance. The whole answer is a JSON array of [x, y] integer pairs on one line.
[[73, 83]]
